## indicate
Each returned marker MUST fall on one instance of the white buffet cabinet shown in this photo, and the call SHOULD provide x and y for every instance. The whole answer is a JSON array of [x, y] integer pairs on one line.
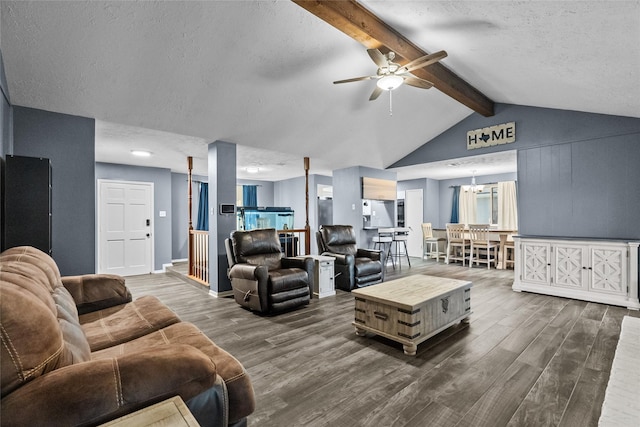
[[591, 270]]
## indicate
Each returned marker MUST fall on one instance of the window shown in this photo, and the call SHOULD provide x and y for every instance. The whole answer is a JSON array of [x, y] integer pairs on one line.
[[487, 205]]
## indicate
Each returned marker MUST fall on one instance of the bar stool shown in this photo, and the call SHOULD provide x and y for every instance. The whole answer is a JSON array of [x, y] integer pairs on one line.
[[400, 236], [383, 242]]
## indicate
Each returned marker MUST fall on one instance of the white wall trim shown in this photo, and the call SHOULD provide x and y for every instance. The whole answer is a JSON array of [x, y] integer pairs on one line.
[[220, 294]]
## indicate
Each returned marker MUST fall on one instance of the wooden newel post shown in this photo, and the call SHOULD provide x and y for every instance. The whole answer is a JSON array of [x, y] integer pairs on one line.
[[307, 239], [190, 196]]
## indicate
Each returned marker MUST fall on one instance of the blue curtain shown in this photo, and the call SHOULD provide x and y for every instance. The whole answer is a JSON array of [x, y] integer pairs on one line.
[[250, 195], [454, 204], [203, 207]]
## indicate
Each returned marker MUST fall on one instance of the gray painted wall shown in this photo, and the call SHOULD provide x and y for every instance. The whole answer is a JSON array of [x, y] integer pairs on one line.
[[161, 179], [535, 127], [431, 197], [559, 152], [347, 198], [290, 193], [583, 189], [68, 141]]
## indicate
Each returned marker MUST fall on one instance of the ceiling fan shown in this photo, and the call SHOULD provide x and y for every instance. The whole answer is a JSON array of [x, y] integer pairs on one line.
[[391, 75]]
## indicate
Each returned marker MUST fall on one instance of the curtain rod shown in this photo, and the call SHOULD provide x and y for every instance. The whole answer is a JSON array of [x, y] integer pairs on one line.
[[484, 183], [206, 182]]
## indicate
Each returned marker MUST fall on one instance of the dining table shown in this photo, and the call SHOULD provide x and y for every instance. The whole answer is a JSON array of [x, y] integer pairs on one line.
[[497, 235], [502, 236]]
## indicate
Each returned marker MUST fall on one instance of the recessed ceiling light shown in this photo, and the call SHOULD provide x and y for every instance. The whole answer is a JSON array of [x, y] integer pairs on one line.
[[141, 153], [252, 169]]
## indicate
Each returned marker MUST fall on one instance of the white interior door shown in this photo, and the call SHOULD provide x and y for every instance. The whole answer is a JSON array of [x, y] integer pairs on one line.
[[125, 233], [413, 213]]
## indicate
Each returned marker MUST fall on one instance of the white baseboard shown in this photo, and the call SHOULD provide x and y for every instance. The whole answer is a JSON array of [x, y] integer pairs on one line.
[[220, 294]]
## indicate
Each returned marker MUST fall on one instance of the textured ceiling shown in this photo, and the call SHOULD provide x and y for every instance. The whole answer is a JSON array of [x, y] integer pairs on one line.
[[172, 76]]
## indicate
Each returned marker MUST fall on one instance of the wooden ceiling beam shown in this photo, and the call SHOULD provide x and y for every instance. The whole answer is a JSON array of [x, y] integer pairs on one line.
[[357, 22]]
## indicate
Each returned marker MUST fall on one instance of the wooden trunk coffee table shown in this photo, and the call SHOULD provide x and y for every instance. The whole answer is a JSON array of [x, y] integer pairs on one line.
[[411, 309]]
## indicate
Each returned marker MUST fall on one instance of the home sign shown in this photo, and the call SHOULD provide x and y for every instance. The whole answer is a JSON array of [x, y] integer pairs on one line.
[[492, 135]]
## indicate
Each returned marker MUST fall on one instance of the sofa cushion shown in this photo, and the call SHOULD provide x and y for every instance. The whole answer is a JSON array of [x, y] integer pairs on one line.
[[40, 332], [39, 259], [286, 279], [366, 267], [122, 323], [97, 391], [93, 292], [239, 388]]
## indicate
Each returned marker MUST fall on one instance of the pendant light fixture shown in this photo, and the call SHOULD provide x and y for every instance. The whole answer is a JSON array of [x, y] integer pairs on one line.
[[474, 188]]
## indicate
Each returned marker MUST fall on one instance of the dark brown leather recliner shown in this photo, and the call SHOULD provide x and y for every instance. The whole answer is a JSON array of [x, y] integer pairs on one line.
[[262, 279], [354, 267]]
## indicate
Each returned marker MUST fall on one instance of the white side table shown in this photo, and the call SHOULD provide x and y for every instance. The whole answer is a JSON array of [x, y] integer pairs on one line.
[[323, 272]]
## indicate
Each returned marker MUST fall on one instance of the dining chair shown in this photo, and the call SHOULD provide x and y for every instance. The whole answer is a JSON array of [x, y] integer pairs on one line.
[[458, 246], [431, 244], [509, 254], [480, 236]]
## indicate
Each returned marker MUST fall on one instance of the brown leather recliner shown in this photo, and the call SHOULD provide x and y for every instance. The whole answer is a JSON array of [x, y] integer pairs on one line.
[[262, 279], [61, 368], [354, 267]]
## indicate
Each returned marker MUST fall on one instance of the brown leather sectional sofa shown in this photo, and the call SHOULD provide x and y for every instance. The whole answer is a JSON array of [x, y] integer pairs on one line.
[[78, 351]]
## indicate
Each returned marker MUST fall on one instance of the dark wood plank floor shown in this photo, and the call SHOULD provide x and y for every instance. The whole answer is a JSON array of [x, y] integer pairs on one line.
[[523, 360]]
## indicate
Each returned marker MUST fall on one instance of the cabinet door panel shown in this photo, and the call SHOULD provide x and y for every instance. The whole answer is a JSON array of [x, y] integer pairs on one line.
[[570, 266], [608, 270], [536, 262]]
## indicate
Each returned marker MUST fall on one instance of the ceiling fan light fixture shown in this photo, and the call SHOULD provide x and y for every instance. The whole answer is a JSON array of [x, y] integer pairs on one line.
[[390, 82]]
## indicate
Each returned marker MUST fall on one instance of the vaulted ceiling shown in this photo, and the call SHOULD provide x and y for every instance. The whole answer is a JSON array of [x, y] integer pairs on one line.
[[172, 76]]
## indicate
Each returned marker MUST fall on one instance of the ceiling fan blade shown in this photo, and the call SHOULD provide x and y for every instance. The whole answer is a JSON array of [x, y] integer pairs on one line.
[[423, 61], [378, 57], [418, 82], [355, 79], [375, 94]]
